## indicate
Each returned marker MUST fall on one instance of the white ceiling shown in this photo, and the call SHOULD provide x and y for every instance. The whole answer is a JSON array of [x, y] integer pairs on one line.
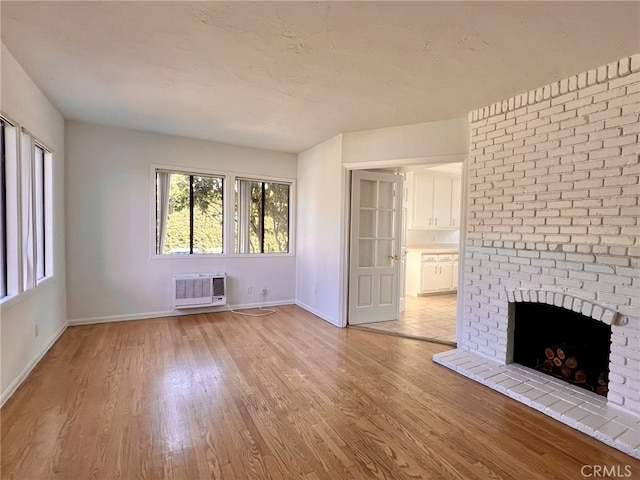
[[288, 75]]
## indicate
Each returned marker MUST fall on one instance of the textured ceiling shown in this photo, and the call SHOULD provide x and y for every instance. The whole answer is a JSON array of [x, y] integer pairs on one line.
[[288, 75]]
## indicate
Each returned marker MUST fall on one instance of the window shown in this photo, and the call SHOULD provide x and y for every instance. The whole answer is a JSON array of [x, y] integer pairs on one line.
[[262, 216], [36, 212], [26, 245], [40, 207], [3, 215], [189, 213]]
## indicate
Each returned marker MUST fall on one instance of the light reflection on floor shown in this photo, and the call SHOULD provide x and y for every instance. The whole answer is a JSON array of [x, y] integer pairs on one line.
[[176, 397]]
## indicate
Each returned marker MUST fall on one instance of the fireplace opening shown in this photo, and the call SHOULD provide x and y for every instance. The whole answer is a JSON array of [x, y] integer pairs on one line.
[[564, 344]]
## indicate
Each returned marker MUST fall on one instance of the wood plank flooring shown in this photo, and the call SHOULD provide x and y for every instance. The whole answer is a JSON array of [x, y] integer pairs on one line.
[[281, 397]]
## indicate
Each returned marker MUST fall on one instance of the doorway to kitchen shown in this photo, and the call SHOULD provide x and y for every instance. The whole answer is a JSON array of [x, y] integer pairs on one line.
[[431, 223]]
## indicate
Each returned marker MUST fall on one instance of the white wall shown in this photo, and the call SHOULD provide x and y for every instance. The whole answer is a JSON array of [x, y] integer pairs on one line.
[[45, 306], [111, 274], [323, 199], [320, 236], [446, 140]]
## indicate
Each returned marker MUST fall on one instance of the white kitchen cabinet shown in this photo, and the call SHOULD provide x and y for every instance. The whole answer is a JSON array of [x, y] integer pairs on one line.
[[444, 278], [429, 277], [456, 195], [455, 275], [434, 201], [431, 273], [421, 201]]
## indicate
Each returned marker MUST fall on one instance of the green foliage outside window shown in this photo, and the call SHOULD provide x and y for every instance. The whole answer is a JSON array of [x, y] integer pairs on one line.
[[207, 215]]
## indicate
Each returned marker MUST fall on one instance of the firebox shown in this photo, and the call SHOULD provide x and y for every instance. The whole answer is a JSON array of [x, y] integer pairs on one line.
[[562, 343]]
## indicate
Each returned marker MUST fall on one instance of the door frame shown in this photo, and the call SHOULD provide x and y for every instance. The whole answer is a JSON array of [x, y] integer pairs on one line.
[[345, 233]]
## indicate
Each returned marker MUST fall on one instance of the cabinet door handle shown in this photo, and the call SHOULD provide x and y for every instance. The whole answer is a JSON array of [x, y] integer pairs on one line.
[[436, 222]]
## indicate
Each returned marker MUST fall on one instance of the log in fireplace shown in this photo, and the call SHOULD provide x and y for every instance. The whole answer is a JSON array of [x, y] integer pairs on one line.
[[563, 344]]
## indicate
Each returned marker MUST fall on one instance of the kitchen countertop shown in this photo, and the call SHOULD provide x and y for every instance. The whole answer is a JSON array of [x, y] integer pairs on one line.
[[433, 249]]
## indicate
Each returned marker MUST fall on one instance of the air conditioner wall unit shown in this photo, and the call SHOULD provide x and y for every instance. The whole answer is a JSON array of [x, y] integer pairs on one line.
[[199, 290]]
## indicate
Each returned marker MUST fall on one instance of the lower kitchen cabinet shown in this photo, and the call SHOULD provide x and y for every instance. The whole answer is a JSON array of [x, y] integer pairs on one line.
[[430, 273]]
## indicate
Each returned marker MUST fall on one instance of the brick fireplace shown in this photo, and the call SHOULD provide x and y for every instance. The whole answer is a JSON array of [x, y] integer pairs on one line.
[[553, 218]]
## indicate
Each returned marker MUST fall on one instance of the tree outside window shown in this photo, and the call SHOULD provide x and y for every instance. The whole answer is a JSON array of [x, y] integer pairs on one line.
[[190, 213], [262, 217]]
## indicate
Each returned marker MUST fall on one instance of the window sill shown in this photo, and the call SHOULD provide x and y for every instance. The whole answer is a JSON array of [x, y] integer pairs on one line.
[[16, 298], [220, 256]]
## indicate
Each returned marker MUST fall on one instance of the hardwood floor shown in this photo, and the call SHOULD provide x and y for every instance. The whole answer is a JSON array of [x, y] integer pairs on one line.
[[284, 396]]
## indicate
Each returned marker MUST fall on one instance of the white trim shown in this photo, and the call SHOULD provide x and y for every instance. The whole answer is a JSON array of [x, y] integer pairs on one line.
[[346, 224], [319, 314], [218, 256], [174, 313], [462, 246], [15, 384], [405, 162], [14, 298], [345, 237]]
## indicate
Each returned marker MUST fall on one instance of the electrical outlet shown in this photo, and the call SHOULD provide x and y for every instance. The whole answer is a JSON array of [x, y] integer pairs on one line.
[[264, 291], [37, 331], [249, 290]]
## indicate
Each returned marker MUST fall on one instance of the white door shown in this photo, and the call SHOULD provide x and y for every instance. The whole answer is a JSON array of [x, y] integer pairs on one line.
[[376, 209]]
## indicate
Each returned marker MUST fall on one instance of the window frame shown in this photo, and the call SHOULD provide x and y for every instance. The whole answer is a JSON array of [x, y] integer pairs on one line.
[[20, 211], [191, 174], [230, 178], [3, 215], [243, 195]]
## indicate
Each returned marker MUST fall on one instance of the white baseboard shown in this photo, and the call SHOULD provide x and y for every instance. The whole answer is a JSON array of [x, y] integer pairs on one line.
[[309, 309], [174, 313], [13, 386]]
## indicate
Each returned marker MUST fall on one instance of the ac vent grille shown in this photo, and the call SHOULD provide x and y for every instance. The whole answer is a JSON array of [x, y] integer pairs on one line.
[[199, 290], [193, 288], [218, 286]]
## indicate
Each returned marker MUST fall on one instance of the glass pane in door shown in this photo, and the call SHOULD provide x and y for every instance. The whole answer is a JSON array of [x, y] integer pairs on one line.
[[385, 195], [367, 223], [368, 193], [385, 224], [366, 254]]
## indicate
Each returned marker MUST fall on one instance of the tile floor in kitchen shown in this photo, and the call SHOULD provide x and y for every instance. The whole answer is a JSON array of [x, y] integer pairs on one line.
[[431, 318]]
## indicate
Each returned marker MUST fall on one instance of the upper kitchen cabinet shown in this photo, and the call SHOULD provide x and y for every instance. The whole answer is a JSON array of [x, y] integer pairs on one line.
[[434, 200]]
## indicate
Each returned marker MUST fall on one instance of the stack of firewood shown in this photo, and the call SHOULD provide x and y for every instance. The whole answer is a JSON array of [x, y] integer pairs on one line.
[[569, 362]]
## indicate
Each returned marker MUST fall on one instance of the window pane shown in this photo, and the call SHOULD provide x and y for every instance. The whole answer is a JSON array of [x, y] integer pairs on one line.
[[3, 217], [177, 229], [276, 218], [40, 213], [262, 217], [207, 214], [189, 213], [255, 217]]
